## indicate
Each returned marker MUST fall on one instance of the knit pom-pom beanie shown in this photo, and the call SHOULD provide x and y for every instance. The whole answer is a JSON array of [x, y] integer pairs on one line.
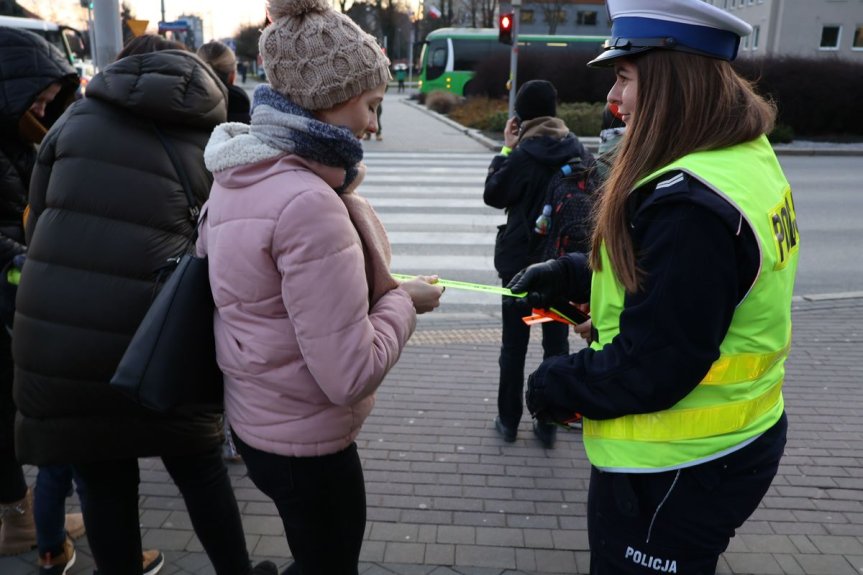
[[317, 57]]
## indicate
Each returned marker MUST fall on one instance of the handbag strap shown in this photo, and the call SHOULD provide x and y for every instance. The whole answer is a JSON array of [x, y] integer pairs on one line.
[[194, 208]]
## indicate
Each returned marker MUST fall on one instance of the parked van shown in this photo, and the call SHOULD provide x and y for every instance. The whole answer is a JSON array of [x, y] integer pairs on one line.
[[67, 39]]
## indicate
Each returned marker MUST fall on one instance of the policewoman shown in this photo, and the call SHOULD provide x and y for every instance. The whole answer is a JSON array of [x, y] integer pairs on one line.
[[689, 281]]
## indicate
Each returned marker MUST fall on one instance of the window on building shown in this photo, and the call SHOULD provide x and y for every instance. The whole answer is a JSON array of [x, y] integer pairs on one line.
[[745, 43], [586, 18], [830, 37], [858, 38], [733, 3], [756, 33], [526, 17]]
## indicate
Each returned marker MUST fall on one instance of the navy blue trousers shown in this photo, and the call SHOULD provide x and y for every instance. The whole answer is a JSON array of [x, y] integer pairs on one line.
[[515, 337], [678, 521]]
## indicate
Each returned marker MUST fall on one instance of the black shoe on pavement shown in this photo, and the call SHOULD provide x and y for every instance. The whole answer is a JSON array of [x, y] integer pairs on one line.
[[265, 568], [546, 433], [507, 433]]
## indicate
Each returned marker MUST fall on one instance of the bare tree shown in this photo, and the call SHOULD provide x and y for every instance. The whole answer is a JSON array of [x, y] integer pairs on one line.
[[487, 10], [246, 41], [552, 12]]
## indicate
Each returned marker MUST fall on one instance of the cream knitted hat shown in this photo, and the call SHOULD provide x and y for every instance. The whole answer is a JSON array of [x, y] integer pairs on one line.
[[317, 57]]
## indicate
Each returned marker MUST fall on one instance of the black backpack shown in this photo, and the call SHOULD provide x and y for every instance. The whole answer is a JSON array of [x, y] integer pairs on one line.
[[571, 193]]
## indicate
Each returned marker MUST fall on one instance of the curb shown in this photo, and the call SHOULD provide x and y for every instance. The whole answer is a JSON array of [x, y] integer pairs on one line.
[[592, 143]]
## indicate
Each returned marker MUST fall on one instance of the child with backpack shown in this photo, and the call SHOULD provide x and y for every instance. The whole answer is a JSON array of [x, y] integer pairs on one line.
[[536, 145]]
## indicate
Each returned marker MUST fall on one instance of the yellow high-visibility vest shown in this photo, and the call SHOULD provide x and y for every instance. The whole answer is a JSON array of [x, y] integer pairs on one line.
[[741, 395]]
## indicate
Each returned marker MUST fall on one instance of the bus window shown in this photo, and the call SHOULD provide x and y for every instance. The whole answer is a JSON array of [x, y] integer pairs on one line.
[[467, 54], [437, 59]]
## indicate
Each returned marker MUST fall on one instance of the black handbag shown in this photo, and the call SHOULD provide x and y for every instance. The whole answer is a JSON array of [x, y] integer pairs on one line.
[[170, 363]]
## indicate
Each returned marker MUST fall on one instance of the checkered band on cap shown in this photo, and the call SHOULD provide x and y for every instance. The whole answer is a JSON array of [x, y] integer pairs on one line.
[[317, 57]]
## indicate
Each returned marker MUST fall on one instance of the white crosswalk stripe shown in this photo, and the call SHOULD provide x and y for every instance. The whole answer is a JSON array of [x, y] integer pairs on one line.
[[432, 207]]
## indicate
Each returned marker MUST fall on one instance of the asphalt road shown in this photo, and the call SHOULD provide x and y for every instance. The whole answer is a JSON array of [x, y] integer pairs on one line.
[[829, 203]]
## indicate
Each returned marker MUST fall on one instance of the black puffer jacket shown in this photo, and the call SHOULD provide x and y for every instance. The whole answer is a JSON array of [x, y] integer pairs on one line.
[[28, 65], [108, 210], [518, 183]]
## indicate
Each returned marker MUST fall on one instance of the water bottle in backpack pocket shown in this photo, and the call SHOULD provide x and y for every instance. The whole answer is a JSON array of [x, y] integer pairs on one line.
[[568, 206]]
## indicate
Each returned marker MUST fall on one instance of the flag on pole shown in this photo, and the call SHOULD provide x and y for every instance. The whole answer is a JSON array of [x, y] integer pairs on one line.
[[434, 12]]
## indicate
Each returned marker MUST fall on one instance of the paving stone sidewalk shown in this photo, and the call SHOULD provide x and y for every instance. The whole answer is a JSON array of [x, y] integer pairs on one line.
[[447, 496]]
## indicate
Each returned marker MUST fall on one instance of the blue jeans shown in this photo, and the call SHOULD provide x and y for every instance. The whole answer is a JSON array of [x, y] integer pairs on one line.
[[515, 337], [53, 486], [111, 514], [322, 503]]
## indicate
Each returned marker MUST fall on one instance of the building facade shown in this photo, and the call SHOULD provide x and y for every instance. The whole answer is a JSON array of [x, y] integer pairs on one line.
[[807, 28], [563, 17]]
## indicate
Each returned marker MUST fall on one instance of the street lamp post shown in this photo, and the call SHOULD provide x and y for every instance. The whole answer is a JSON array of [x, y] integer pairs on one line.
[[513, 56], [108, 32]]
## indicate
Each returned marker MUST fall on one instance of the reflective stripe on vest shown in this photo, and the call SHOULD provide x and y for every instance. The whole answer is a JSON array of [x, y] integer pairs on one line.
[[740, 396]]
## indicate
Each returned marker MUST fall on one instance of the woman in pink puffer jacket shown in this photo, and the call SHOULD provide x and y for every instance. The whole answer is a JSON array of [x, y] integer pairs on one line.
[[308, 319]]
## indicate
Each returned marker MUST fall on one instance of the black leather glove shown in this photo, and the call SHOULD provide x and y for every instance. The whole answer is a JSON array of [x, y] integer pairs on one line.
[[534, 398], [540, 405], [543, 282]]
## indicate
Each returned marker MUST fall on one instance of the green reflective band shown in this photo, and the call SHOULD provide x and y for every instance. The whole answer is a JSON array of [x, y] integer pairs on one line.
[[13, 276], [505, 151], [683, 424], [465, 285]]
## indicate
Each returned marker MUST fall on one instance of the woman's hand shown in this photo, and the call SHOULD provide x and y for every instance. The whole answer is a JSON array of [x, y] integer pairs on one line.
[[424, 293]]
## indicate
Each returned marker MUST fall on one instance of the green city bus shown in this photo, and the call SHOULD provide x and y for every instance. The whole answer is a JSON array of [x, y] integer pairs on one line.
[[450, 56]]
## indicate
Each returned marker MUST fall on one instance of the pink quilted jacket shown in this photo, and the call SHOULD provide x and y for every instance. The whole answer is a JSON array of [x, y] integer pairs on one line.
[[301, 351]]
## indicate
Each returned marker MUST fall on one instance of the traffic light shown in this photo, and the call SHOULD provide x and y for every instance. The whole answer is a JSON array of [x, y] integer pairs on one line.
[[504, 34]]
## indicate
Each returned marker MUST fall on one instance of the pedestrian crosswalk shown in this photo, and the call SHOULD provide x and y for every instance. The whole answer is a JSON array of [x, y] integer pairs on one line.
[[431, 204]]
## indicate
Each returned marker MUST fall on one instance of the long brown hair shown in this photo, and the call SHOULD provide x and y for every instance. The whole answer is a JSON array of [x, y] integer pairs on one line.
[[685, 103]]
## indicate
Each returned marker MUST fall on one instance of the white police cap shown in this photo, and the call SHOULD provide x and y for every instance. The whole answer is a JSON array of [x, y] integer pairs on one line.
[[683, 25]]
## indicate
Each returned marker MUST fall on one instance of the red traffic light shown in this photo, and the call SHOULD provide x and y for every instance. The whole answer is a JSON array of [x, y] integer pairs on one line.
[[505, 22]]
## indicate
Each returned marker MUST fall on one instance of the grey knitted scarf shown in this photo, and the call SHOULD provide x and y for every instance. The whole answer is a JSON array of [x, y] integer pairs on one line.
[[281, 124]]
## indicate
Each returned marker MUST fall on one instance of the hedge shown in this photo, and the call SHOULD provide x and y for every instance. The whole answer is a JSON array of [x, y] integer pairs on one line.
[[816, 98]]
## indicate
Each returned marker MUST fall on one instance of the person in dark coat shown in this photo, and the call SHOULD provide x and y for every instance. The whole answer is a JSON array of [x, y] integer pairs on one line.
[[99, 244], [536, 144], [223, 61], [37, 84]]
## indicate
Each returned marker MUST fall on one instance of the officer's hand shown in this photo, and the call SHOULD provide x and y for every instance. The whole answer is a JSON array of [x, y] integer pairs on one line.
[[540, 405], [543, 283], [535, 398]]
